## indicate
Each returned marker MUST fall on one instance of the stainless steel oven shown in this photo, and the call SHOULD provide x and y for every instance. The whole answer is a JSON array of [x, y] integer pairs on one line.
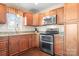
[[46, 38], [46, 43]]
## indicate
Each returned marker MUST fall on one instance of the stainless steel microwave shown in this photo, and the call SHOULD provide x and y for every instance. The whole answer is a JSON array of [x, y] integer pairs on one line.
[[47, 20]]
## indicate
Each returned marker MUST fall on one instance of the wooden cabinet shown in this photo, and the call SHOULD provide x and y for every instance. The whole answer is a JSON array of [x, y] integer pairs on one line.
[[52, 12], [36, 19], [2, 14], [23, 42], [34, 40], [60, 15], [28, 19], [3, 46], [18, 44], [71, 12], [13, 45], [58, 44], [41, 15], [71, 32]]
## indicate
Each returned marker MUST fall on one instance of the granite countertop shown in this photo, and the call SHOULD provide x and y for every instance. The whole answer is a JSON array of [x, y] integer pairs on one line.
[[16, 33]]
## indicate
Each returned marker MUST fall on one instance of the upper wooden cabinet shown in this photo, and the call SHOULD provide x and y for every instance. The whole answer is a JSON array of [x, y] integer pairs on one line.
[[71, 12], [28, 18], [2, 14], [60, 15], [41, 15], [52, 12], [36, 19]]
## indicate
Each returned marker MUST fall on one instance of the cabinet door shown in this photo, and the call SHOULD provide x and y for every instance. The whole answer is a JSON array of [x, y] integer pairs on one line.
[[58, 44], [71, 12], [3, 46], [13, 45], [71, 39], [33, 40], [2, 14], [23, 43], [30, 40], [60, 15], [28, 18], [36, 19], [41, 15]]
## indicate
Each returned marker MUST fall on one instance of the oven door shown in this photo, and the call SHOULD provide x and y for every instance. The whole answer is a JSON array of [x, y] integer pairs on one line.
[[47, 38], [47, 47]]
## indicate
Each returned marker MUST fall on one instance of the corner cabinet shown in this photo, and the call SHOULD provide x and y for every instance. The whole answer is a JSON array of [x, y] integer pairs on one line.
[[2, 14], [28, 18]]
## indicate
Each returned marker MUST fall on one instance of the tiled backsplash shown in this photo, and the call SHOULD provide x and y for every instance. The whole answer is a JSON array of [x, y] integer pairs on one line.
[[44, 28], [4, 28]]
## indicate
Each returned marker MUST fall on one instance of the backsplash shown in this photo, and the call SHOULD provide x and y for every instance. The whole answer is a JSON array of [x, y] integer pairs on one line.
[[44, 28], [4, 28]]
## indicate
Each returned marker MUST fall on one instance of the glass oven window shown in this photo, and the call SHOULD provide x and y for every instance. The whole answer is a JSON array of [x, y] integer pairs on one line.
[[46, 46], [47, 38]]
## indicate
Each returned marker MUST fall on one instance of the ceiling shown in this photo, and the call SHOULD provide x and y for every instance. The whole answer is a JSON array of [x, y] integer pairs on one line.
[[33, 7]]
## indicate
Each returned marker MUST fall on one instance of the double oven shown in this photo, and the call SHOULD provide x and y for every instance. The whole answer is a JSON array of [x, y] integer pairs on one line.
[[47, 43]]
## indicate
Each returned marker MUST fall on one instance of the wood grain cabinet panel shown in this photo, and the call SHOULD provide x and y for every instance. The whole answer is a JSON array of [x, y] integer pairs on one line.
[[33, 40], [3, 53], [36, 20], [23, 42], [28, 18], [3, 46], [71, 12], [52, 12], [60, 15], [2, 14], [58, 42], [41, 15], [71, 39], [13, 45], [30, 40]]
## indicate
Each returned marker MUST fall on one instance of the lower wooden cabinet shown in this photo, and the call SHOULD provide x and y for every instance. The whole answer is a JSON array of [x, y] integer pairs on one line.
[[13, 45], [23, 42], [71, 39], [59, 45], [20, 43], [3, 46], [32, 40], [3, 53]]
